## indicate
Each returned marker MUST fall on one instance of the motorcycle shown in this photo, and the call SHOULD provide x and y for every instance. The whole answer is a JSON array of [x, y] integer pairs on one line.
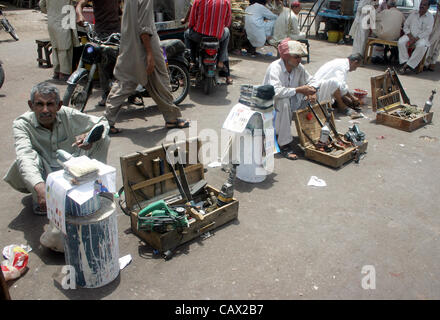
[[2, 74], [207, 58], [80, 82], [7, 25]]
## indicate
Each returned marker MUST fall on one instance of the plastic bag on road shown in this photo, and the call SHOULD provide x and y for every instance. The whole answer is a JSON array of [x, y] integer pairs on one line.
[[16, 262]]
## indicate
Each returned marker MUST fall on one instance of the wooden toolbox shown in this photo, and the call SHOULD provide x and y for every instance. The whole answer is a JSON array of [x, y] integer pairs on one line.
[[386, 102], [144, 184], [308, 126]]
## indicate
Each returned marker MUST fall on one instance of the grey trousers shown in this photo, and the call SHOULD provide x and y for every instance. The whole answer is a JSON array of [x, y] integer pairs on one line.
[[120, 91], [62, 60]]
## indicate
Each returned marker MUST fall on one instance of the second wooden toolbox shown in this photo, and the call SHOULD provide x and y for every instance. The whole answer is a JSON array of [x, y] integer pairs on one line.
[[148, 179]]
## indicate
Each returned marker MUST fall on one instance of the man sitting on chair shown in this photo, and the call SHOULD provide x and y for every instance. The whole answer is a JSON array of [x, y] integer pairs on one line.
[[417, 28]]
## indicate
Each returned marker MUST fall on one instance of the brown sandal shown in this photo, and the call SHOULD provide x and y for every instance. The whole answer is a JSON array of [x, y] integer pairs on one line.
[[178, 124]]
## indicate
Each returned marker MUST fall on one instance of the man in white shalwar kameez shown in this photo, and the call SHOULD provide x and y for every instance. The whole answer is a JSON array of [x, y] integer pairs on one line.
[[357, 31], [289, 78], [287, 26], [141, 61], [389, 22], [258, 23], [62, 38], [434, 40], [330, 81], [417, 28]]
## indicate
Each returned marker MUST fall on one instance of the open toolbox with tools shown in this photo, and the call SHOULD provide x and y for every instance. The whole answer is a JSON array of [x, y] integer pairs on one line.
[[386, 91], [168, 209], [334, 149]]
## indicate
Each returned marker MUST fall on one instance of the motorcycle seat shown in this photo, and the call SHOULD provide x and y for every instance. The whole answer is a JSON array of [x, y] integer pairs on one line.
[[209, 43], [173, 47]]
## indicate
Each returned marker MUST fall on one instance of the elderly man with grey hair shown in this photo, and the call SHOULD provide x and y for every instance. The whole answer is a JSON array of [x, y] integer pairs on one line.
[[330, 81], [40, 132]]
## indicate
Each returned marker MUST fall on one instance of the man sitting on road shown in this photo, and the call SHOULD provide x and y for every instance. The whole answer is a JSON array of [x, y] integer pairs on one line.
[[417, 28], [289, 78], [39, 133], [330, 81]]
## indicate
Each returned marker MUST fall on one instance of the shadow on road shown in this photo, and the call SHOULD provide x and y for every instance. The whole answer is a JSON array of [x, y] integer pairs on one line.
[[32, 227]]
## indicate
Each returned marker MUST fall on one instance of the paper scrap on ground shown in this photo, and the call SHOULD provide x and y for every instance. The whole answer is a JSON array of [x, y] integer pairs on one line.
[[124, 261], [316, 182]]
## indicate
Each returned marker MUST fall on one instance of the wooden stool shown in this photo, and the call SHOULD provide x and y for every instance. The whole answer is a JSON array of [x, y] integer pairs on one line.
[[369, 47], [47, 46]]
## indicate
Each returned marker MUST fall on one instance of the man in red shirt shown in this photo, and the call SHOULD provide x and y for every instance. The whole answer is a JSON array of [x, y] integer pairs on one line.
[[210, 18]]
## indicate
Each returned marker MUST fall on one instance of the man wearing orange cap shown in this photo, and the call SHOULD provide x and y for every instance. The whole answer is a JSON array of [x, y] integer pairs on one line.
[[287, 26], [289, 78]]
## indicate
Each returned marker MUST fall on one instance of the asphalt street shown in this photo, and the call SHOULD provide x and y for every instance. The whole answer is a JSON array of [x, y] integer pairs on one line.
[[290, 241]]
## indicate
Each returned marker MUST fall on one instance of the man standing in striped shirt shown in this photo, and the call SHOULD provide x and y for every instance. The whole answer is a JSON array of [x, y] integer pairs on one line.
[[210, 18]]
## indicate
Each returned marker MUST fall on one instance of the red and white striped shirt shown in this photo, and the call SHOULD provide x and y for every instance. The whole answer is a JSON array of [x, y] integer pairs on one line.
[[210, 17]]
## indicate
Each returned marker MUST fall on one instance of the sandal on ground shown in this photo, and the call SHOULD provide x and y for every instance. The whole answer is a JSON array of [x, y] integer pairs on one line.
[[114, 130], [135, 100], [102, 102], [349, 112], [229, 81], [356, 108], [178, 124], [404, 70], [288, 153]]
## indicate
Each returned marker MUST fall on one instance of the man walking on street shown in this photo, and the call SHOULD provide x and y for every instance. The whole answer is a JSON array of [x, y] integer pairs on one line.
[[107, 21], [141, 61]]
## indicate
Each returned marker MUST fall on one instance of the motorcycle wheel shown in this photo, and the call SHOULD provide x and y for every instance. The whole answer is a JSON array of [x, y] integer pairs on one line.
[[2, 75], [179, 81], [76, 94], [10, 29], [208, 85]]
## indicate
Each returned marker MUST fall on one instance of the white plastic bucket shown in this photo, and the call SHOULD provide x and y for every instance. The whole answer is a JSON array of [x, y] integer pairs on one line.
[[251, 167]]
